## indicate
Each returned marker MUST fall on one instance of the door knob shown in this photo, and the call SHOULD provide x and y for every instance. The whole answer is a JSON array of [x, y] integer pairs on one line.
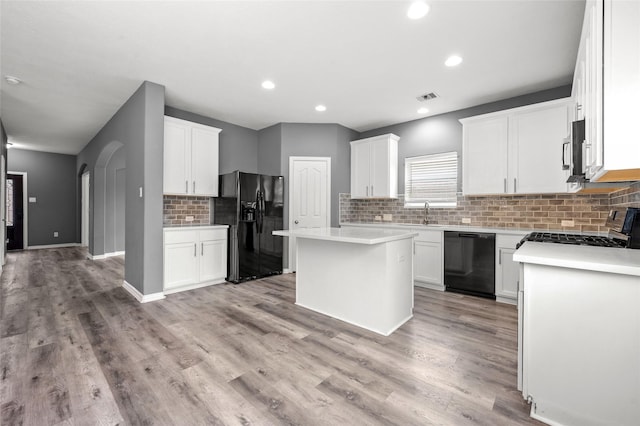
[[296, 222]]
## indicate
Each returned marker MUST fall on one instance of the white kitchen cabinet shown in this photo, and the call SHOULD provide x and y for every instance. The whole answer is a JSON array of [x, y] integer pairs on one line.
[[374, 167], [485, 143], [427, 260], [507, 271], [516, 151], [194, 257], [190, 158], [607, 87]]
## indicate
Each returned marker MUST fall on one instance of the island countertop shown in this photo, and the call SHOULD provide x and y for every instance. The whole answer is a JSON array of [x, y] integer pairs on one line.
[[349, 235]]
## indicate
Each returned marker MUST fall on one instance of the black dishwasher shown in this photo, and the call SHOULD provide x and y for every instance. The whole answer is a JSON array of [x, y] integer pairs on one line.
[[470, 263]]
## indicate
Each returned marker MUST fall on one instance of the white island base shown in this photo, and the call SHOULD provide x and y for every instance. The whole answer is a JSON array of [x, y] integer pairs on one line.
[[363, 277]]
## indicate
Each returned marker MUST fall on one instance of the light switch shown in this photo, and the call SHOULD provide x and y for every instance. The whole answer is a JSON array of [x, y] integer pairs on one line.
[[32, 199]]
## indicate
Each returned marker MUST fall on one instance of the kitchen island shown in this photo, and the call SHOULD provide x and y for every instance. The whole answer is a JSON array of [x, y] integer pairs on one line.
[[360, 276]]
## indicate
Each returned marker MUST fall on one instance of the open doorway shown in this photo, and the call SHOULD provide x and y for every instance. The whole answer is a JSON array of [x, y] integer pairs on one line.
[[16, 210]]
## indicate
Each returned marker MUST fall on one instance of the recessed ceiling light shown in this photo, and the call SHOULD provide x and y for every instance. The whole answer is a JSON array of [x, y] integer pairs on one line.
[[321, 108], [417, 10], [423, 110], [12, 80], [267, 84], [453, 61]]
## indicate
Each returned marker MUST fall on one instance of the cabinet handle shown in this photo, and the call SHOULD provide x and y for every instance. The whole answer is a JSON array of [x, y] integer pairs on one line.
[[201, 249], [195, 249], [194, 186], [186, 186], [514, 185], [566, 143], [499, 256], [367, 190], [372, 190], [505, 185]]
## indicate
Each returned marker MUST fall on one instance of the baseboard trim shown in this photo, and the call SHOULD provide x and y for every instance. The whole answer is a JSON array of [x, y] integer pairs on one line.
[[287, 271], [104, 256], [506, 300], [431, 286], [142, 298], [47, 246], [194, 286]]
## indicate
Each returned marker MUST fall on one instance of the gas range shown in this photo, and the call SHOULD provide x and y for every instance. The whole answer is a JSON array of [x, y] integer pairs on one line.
[[624, 232], [574, 239]]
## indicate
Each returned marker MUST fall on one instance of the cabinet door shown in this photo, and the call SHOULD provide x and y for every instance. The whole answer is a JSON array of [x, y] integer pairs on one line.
[[507, 274], [204, 162], [180, 264], [177, 157], [383, 169], [427, 262], [213, 260], [537, 138], [484, 156], [360, 170], [593, 39]]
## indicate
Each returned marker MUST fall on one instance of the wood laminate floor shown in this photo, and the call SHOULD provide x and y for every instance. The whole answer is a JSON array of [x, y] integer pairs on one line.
[[77, 349]]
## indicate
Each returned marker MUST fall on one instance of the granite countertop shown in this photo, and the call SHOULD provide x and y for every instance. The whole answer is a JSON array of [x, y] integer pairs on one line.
[[602, 259], [349, 235]]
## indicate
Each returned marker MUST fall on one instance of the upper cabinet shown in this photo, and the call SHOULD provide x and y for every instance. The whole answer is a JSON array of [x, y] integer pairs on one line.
[[190, 158], [516, 151], [606, 89], [374, 167]]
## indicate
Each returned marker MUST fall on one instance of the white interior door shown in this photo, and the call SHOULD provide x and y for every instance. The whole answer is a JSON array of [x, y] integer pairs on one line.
[[309, 196]]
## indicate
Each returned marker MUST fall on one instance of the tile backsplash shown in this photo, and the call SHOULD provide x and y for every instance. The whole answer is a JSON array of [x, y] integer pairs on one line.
[[527, 212], [176, 208]]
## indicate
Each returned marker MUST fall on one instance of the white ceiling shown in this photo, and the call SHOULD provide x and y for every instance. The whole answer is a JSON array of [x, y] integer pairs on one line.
[[365, 60]]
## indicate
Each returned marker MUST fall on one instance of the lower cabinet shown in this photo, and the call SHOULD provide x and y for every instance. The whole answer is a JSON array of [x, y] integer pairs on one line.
[[194, 257], [427, 260], [507, 271]]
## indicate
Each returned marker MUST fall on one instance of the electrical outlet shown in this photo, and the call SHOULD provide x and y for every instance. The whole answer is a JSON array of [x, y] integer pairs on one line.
[[189, 219], [568, 223], [387, 217], [55, 234], [377, 218], [466, 220]]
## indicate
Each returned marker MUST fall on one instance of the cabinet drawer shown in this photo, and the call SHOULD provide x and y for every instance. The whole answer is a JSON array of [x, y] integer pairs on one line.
[[213, 234], [181, 236], [429, 236]]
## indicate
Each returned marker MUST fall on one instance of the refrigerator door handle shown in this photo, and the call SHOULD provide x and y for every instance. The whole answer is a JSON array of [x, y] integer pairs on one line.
[[259, 212]]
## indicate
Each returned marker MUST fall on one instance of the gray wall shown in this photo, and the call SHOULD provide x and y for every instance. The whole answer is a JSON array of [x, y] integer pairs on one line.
[[238, 145], [443, 133], [51, 179], [138, 126], [270, 150]]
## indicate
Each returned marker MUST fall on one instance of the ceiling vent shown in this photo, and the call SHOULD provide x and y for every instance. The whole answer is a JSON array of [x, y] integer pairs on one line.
[[427, 96]]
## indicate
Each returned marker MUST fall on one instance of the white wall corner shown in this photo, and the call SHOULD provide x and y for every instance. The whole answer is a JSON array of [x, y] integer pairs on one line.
[[142, 298]]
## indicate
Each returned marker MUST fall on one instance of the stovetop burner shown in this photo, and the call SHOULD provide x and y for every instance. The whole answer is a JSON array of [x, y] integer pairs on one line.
[[575, 239]]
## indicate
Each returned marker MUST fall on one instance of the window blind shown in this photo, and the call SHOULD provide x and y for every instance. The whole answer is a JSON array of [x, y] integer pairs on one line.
[[432, 178]]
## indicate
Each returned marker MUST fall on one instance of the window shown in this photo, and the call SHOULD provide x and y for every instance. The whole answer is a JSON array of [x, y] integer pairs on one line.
[[432, 178]]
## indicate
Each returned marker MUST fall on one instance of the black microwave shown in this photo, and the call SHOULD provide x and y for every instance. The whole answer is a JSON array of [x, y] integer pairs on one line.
[[577, 140]]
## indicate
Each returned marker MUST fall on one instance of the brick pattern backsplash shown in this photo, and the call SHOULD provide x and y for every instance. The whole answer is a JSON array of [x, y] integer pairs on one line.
[[629, 197], [526, 212], [176, 208]]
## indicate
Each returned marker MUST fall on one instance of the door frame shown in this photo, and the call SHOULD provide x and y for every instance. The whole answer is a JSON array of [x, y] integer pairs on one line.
[[85, 213], [291, 240], [25, 208]]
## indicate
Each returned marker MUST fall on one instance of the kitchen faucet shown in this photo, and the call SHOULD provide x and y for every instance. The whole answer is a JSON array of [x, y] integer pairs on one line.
[[425, 221]]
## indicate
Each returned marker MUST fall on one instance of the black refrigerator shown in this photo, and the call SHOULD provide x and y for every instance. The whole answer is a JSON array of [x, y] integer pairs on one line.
[[251, 204]]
